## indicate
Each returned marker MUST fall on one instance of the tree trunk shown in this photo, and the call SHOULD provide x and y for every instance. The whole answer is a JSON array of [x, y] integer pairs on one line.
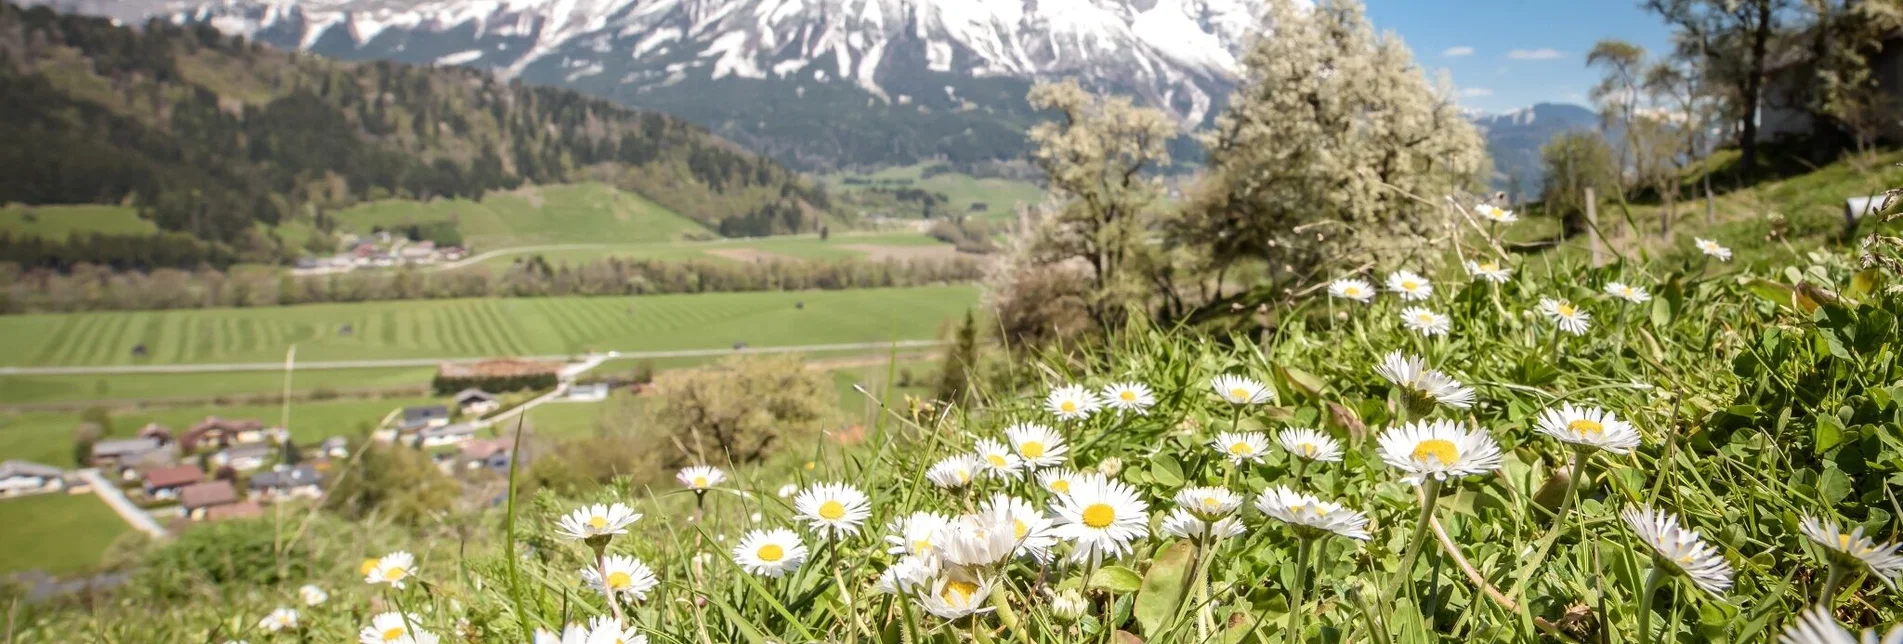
[[1754, 87]]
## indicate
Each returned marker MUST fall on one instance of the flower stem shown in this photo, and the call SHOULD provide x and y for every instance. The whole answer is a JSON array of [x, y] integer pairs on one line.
[[601, 568], [1652, 582], [1301, 469], [1298, 593], [1572, 486], [1830, 583], [1430, 490]]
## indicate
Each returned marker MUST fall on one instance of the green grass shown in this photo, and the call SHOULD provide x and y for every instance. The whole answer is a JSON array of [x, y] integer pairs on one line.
[[108, 387], [880, 380], [62, 221], [555, 214], [57, 533], [1001, 195], [483, 327], [797, 246]]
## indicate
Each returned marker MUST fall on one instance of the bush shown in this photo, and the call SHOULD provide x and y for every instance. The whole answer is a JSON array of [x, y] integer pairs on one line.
[[238, 553], [738, 410]]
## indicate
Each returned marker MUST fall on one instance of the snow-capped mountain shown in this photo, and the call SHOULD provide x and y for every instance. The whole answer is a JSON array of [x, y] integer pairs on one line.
[[1514, 139]]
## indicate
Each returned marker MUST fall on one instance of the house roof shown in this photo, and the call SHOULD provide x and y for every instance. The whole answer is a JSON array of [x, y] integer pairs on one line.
[[300, 475], [425, 412], [334, 441], [485, 447], [244, 510], [226, 424], [11, 469], [448, 430], [207, 494], [125, 446], [463, 397], [173, 476], [250, 450]]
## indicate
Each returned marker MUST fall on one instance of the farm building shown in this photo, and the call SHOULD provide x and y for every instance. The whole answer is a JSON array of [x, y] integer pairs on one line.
[[197, 500], [123, 452], [475, 402], [334, 447], [417, 418], [485, 453], [246, 457], [590, 392], [165, 482], [445, 435], [222, 432], [19, 478], [239, 510], [282, 482]]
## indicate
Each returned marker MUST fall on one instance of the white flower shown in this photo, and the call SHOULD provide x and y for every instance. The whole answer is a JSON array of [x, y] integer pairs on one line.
[[394, 628], [1128, 396], [979, 540], [700, 477], [1712, 248], [312, 595], [392, 569], [604, 630], [1310, 444], [573, 634], [1349, 288], [1181, 522], [1036, 445], [909, 573], [1056, 481], [1241, 447], [1409, 286], [627, 577], [953, 472], [1567, 317], [1208, 503], [1110, 466], [770, 553], [1425, 322], [1627, 292], [1495, 214], [997, 459], [1430, 385], [1490, 271], [954, 596], [1068, 606], [1311, 515], [834, 509], [1680, 547], [915, 534], [1438, 449], [1588, 427], [1100, 517], [1030, 529], [280, 619], [597, 520], [1072, 402], [790, 489], [1242, 391], [1883, 559], [1816, 626]]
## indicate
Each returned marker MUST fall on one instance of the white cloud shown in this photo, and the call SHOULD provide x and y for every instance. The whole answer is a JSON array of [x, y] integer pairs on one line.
[[1457, 52], [1475, 92], [1535, 54]]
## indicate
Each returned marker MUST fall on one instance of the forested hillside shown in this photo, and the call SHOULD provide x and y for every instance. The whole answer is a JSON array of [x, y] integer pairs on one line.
[[210, 135]]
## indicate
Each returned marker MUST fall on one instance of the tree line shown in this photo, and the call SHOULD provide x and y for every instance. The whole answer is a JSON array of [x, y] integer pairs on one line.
[[90, 287]]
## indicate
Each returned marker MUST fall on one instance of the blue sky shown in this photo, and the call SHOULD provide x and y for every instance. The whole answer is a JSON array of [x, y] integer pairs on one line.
[[1507, 54]]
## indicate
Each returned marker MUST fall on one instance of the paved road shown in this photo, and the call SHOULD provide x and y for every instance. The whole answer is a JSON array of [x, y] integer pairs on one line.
[[113, 497], [430, 362]]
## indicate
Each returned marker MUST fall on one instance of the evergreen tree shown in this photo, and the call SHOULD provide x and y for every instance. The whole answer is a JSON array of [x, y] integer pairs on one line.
[[954, 380], [290, 456]]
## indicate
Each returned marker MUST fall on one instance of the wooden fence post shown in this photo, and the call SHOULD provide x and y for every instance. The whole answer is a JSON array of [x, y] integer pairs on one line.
[[1592, 228]]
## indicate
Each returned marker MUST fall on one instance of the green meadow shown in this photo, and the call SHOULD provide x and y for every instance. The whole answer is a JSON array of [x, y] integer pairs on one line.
[[554, 214], [56, 533], [62, 221], [838, 246], [1001, 196]]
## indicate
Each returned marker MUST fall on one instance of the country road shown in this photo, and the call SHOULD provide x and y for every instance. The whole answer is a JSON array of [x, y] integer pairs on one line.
[[119, 503], [429, 362], [738, 242]]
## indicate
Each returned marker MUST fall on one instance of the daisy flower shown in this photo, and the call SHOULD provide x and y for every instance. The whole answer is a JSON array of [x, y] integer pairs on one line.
[[604, 630], [597, 520], [998, 460], [1569, 318], [955, 596], [1712, 248], [1409, 286], [1128, 396], [1311, 516], [1816, 626], [915, 534], [1495, 214], [909, 573], [1680, 547], [1351, 289], [312, 595], [1588, 427], [770, 553], [1241, 447], [1242, 391], [1424, 385], [833, 509], [953, 472], [1883, 559], [1030, 528], [394, 628], [1037, 446], [788, 490], [1438, 449], [1425, 322], [392, 569], [574, 634], [627, 577], [1100, 517], [700, 477], [1208, 503], [1183, 523], [1072, 402], [1489, 271], [1310, 444], [979, 540], [1627, 292], [1056, 481], [280, 619]]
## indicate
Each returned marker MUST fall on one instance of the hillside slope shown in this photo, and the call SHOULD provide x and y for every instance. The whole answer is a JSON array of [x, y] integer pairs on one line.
[[210, 134]]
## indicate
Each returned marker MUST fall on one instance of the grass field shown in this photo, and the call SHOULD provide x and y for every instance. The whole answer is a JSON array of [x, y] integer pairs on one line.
[[483, 327], [56, 533], [107, 387], [557, 214], [61, 221], [789, 246], [1002, 196]]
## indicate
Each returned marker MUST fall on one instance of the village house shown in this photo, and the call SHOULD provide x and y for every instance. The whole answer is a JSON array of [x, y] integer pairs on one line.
[[485, 453], [445, 435], [20, 478], [156, 431], [245, 457], [241, 510], [334, 447], [165, 482], [286, 482], [198, 499], [222, 432], [475, 402], [587, 392], [418, 418], [120, 453]]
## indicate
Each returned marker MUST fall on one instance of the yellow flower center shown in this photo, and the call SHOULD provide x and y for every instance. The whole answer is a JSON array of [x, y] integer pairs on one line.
[[1566, 310], [921, 546], [1424, 318], [1031, 449], [1128, 396], [1239, 393], [809, 465], [1352, 291], [1018, 529], [770, 552], [831, 510], [1843, 542], [1585, 427], [1441, 451], [1410, 285], [1489, 267], [996, 460], [1067, 406], [700, 481], [1241, 449], [1099, 515], [958, 593], [1061, 486], [619, 580], [1211, 502], [395, 573], [392, 634], [597, 522], [964, 476], [1308, 449], [368, 566]]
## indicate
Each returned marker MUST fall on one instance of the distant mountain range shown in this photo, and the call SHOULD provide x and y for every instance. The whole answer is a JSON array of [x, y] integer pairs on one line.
[[1514, 140]]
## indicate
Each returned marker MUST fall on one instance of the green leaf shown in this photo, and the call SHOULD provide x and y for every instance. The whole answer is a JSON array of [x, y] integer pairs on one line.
[[1307, 383], [1166, 471], [1829, 433], [1165, 587], [1779, 294], [739, 622], [1864, 283], [1833, 484], [1116, 579]]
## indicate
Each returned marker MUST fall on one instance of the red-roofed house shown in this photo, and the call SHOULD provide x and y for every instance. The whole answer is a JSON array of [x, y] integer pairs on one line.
[[165, 482]]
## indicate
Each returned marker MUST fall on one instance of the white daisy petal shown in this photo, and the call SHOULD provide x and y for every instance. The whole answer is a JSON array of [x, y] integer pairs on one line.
[[1588, 427], [954, 472], [1351, 289], [1883, 559], [998, 459], [832, 509], [597, 520], [915, 534], [627, 578], [1238, 390], [1489, 271], [770, 553], [1410, 286], [1683, 548], [1712, 249], [1241, 447], [1310, 445], [1311, 515], [1037, 446], [1566, 315], [700, 477], [1072, 402], [1428, 385], [1100, 518], [1425, 322], [1134, 397], [1628, 292], [1438, 449]]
